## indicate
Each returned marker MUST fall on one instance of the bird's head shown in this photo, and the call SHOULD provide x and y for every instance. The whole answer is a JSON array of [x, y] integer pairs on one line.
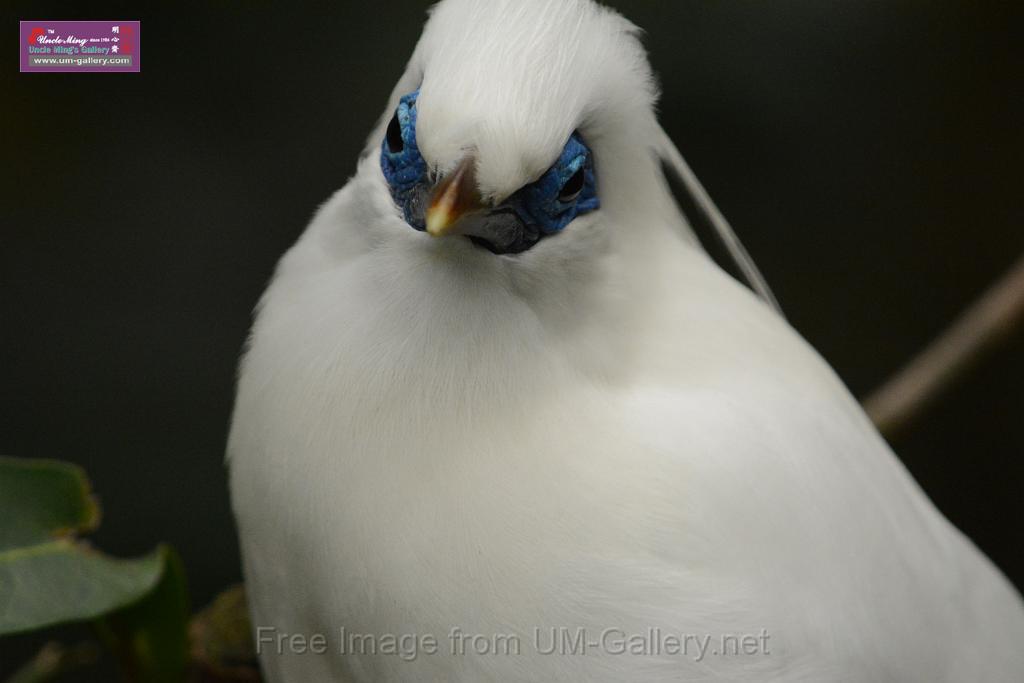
[[513, 118], [520, 120]]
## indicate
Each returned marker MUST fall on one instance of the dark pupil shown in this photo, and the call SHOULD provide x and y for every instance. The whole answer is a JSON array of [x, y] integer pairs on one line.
[[572, 187], [394, 135]]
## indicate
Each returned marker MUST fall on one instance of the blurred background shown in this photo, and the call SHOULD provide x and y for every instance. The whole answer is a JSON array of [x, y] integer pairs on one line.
[[868, 153]]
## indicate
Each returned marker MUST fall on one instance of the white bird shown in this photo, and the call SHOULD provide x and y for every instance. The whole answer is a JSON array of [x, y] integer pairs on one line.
[[497, 397]]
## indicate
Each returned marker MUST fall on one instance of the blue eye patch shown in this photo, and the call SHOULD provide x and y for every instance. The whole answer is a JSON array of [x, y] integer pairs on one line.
[[403, 165], [544, 207], [566, 190]]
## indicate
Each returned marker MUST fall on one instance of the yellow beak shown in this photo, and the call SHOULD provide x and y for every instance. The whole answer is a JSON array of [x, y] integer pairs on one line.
[[454, 197]]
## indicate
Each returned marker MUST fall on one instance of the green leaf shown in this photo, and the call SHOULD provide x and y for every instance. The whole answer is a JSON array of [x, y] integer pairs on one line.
[[61, 581], [150, 636], [47, 576], [42, 500]]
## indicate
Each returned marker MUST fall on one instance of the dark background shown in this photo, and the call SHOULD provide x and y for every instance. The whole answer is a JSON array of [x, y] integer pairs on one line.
[[869, 153]]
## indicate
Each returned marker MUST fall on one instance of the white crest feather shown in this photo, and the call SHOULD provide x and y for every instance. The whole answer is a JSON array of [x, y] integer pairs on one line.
[[710, 212]]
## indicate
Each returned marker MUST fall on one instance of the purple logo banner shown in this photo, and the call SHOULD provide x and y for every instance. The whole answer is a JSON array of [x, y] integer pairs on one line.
[[80, 46]]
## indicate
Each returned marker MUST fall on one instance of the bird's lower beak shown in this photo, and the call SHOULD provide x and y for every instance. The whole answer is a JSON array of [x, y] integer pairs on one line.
[[455, 197]]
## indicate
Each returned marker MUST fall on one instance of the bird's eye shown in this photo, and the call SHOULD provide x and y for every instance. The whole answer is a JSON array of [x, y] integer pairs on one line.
[[394, 135], [572, 188]]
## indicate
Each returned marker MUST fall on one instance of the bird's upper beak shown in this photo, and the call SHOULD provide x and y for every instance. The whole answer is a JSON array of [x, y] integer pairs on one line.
[[455, 197]]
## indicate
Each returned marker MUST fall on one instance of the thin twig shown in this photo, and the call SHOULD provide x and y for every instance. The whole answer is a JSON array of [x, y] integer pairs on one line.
[[977, 332]]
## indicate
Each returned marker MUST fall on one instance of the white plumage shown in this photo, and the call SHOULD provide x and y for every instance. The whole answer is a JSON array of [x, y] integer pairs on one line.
[[601, 432]]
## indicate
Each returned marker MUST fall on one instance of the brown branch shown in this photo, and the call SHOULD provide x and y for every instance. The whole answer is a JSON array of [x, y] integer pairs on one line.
[[55, 660], [976, 333]]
